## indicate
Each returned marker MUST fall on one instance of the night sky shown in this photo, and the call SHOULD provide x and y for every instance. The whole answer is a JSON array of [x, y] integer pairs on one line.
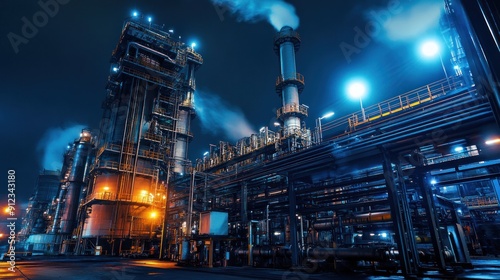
[[56, 79]]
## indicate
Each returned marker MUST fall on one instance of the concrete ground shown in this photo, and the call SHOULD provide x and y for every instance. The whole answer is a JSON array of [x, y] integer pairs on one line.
[[102, 267]]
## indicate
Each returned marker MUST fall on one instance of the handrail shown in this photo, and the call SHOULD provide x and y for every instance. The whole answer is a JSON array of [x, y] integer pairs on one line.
[[406, 101], [292, 108], [299, 77]]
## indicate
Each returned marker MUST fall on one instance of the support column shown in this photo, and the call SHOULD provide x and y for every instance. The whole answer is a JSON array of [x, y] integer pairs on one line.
[[400, 213], [243, 201], [429, 206], [292, 205]]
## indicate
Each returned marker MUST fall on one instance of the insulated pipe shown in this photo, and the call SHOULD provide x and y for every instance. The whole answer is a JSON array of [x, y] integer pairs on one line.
[[367, 254], [183, 125], [181, 144], [371, 217]]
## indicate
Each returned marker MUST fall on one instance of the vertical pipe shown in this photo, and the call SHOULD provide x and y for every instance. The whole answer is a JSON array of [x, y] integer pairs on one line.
[[250, 244], [293, 221], [302, 232], [243, 201], [165, 214], [190, 210], [267, 225]]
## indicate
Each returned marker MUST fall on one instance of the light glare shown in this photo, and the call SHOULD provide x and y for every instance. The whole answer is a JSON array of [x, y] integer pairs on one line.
[[429, 49], [356, 89]]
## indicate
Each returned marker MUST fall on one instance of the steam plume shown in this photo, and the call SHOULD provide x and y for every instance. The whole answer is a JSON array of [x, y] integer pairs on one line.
[[216, 117], [53, 144], [277, 12], [412, 19]]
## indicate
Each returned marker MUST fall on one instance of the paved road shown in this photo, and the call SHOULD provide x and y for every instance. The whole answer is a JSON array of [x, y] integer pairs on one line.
[[103, 268], [109, 268]]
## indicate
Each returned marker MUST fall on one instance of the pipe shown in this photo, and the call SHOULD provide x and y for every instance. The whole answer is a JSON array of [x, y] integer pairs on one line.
[[268, 230], [139, 46], [371, 217], [367, 254]]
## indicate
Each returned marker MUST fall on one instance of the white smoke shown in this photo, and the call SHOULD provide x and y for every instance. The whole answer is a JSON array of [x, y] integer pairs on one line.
[[409, 20], [217, 116], [54, 143], [277, 12]]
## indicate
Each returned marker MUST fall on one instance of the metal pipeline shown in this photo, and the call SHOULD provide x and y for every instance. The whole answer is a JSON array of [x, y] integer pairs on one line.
[[368, 254], [372, 217], [263, 251], [139, 46]]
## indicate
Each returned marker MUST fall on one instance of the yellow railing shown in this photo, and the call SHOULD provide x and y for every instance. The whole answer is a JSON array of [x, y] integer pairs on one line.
[[146, 63], [299, 77], [148, 77], [152, 136], [126, 167], [158, 201], [292, 108], [401, 103], [405, 101]]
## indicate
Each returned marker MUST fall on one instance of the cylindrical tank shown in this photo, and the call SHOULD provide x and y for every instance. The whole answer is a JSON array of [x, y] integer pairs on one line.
[[72, 189]]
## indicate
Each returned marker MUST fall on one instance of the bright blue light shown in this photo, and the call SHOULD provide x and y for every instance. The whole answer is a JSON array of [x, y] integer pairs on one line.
[[327, 115], [115, 69], [383, 234], [357, 89], [429, 48], [205, 153], [150, 19], [433, 182], [135, 14], [193, 45], [458, 149]]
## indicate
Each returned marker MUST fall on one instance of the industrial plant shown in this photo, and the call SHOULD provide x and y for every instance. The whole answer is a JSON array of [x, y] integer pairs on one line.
[[408, 185]]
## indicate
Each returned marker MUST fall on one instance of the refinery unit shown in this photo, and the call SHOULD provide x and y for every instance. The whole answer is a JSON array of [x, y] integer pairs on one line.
[[409, 184]]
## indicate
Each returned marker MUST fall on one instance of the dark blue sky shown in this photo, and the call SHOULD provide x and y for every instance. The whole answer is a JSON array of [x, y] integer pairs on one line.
[[57, 77]]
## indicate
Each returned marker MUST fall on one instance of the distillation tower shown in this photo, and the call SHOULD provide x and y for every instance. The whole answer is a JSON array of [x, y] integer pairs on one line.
[[143, 139]]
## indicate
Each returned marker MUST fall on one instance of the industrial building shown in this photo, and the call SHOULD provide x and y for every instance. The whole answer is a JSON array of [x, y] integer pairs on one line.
[[409, 184]]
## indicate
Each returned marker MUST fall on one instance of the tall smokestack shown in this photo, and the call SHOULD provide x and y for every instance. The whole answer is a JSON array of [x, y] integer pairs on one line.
[[290, 83]]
